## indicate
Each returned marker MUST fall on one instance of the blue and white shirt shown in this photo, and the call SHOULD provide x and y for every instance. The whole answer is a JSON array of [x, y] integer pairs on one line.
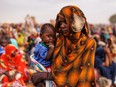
[[40, 54]]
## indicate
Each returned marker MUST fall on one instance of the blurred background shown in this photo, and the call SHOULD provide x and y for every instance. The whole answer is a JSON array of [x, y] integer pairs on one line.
[[96, 11], [21, 21]]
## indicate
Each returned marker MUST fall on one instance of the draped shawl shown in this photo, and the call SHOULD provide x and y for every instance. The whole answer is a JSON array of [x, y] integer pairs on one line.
[[73, 62]]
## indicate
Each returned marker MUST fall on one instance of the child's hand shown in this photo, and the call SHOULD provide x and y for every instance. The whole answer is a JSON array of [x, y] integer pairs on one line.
[[51, 45]]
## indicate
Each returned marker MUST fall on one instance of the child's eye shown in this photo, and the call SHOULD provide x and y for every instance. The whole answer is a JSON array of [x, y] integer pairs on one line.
[[49, 35]]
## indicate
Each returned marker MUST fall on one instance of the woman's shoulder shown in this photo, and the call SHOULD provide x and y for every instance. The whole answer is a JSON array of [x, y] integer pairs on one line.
[[90, 39]]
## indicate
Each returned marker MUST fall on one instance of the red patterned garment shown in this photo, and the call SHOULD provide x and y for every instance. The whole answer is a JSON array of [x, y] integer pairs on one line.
[[12, 65]]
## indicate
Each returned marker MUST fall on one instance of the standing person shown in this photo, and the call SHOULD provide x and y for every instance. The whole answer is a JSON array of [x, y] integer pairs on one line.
[[73, 58]]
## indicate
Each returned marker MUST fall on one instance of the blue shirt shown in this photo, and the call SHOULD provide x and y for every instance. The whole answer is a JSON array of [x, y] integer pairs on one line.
[[1, 50], [40, 54], [99, 56]]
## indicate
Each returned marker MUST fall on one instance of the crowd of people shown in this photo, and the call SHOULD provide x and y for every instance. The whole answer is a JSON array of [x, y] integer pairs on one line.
[[73, 52]]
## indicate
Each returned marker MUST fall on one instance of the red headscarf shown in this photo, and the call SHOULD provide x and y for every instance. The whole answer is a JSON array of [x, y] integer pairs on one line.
[[12, 60]]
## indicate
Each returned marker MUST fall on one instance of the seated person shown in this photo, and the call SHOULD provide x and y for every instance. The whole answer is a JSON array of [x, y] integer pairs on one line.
[[12, 68]]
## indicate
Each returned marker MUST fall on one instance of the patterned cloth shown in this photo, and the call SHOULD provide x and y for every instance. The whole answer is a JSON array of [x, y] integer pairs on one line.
[[12, 63], [40, 54], [73, 62]]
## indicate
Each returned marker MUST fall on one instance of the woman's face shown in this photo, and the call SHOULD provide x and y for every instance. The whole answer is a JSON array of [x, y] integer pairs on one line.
[[64, 28], [11, 51]]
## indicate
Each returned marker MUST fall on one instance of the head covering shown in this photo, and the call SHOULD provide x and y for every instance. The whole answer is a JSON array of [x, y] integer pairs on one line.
[[13, 65], [68, 13], [73, 57], [9, 49]]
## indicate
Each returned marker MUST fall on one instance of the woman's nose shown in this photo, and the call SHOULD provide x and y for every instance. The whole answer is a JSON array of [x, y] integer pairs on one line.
[[62, 25]]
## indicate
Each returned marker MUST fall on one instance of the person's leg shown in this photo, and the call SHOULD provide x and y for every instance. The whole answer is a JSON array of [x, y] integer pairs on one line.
[[105, 72], [113, 71]]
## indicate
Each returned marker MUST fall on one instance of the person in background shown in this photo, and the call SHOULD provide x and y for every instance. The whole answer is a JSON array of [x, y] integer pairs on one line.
[[109, 57], [104, 35], [38, 39], [4, 40], [73, 56], [31, 40], [12, 68], [13, 39], [104, 60]]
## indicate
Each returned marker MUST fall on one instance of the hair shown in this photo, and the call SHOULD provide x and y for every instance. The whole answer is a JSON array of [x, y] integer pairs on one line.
[[44, 27]]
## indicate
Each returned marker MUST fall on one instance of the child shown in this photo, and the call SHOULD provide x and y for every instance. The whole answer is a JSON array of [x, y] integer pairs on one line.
[[44, 50]]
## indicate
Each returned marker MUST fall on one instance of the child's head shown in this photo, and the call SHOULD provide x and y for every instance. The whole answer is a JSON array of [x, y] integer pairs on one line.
[[47, 33]]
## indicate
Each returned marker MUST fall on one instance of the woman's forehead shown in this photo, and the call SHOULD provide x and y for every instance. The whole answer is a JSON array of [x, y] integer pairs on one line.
[[60, 17]]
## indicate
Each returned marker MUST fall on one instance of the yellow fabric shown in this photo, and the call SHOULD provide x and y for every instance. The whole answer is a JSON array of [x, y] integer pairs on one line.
[[20, 40]]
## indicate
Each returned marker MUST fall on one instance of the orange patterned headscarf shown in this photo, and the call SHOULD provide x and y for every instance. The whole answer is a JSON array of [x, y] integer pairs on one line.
[[73, 63], [67, 13]]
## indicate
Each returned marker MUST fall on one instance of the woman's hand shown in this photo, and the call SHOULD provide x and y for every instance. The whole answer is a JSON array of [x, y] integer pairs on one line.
[[51, 45], [40, 76], [11, 74]]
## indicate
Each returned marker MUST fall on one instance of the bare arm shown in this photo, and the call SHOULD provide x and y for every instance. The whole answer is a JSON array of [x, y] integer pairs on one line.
[[50, 52], [108, 59]]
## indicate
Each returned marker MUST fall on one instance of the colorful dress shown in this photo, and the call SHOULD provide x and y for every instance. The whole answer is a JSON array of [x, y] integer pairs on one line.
[[11, 62]]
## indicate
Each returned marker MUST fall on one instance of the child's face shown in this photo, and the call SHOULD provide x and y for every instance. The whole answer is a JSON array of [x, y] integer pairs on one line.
[[48, 36]]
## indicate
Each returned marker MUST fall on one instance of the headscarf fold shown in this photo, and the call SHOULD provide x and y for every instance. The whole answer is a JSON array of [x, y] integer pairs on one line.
[[67, 13]]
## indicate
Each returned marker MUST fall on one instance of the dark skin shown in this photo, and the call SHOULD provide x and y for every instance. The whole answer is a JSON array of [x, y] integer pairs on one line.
[[108, 53], [45, 75], [48, 37], [10, 77], [7, 73], [50, 52]]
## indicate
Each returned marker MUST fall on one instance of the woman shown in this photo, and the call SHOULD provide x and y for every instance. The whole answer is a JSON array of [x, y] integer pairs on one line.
[[12, 68], [73, 57]]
